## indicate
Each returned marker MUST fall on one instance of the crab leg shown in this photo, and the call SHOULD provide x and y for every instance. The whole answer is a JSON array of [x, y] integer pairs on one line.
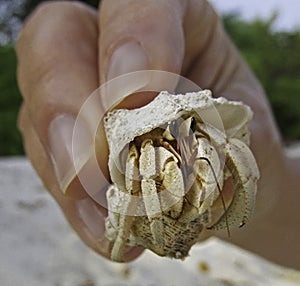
[[148, 173], [129, 205], [172, 191], [242, 165], [206, 185]]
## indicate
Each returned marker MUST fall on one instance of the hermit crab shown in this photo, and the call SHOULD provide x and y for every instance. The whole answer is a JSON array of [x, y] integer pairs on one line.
[[168, 163]]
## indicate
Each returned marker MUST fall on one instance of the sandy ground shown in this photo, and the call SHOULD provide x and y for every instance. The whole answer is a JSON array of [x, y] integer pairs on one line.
[[37, 247]]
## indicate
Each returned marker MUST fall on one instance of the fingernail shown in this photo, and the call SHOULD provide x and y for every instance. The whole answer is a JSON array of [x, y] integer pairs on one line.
[[94, 225], [127, 58], [92, 218], [61, 145]]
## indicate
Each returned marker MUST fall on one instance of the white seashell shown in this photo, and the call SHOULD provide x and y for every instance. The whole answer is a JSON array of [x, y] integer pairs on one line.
[[138, 137]]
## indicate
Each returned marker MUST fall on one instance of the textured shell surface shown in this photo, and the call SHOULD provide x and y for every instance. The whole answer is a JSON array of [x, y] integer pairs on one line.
[[123, 125]]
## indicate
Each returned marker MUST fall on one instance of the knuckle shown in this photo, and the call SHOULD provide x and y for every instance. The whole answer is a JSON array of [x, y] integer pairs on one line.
[[49, 7], [49, 10]]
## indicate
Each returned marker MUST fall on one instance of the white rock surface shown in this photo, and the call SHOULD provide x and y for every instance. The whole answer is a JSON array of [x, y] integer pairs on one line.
[[37, 247]]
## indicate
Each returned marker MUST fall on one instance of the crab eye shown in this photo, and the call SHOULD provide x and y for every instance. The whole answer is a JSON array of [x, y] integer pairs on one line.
[[193, 124]]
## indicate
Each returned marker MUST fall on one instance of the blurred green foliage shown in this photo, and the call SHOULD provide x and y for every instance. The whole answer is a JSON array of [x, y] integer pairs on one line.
[[10, 100], [274, 57]]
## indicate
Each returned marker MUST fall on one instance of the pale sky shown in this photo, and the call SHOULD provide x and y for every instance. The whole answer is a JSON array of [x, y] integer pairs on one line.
[[289, 10]]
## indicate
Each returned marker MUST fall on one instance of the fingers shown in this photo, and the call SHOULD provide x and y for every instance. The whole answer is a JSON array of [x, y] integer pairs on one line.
[[84, 215], [177, 36], [57, 71], [139, 35], [212, 61], [185, 37], [57, 49]]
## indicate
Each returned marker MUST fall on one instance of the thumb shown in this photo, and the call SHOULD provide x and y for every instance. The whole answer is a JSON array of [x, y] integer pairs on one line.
[[130, 40]]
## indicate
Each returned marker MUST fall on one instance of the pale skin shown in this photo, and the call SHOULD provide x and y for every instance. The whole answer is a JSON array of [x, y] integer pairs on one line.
[[66, 50]]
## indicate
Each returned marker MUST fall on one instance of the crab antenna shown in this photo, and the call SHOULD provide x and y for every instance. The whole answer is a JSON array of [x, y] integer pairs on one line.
[[220, 191]]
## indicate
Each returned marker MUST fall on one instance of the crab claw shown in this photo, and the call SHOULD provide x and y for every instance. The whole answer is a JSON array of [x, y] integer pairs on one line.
[[242, 165]]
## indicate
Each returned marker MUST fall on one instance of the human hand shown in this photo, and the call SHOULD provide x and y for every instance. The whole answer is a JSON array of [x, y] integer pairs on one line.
[[66, 50]]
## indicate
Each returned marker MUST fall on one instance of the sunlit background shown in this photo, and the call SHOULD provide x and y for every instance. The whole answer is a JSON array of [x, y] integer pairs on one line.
[[266, 32], [287, 11]]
